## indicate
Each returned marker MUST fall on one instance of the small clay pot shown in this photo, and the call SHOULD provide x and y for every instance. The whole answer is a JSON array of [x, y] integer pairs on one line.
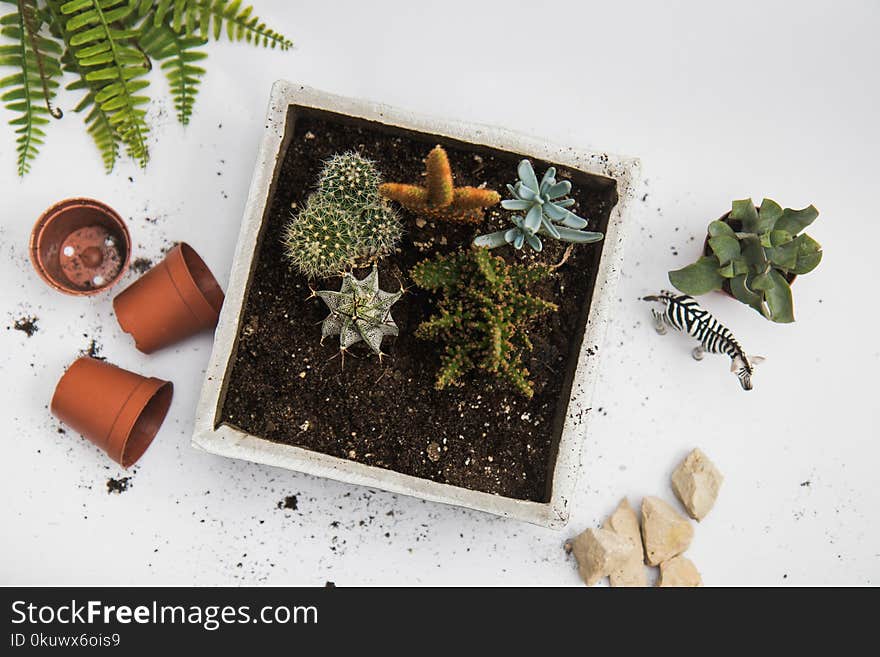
[[707, 251], [177, 298], [118, 410], [80, 246]]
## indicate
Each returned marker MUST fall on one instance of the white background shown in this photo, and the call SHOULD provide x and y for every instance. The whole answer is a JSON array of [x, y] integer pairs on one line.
[[719, 100]]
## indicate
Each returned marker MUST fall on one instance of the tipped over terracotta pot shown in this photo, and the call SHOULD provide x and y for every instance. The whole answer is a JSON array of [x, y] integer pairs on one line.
[[117, 410], [80, 246], [177, 298]]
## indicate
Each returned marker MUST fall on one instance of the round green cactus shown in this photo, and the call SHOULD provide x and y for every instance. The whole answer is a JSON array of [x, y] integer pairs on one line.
[[320, 240], [344, 222], [380, 229], [350, 180]]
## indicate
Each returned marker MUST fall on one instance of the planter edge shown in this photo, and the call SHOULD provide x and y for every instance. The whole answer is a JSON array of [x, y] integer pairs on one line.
[[230, 442]]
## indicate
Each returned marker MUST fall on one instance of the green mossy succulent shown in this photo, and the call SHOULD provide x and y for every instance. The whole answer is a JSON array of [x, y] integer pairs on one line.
[[546, 213], [359, 311], [756, 260], [344, 222], [483, 314]]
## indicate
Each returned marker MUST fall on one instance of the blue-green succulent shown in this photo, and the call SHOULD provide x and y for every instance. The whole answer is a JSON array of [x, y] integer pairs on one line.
[[546, 213]]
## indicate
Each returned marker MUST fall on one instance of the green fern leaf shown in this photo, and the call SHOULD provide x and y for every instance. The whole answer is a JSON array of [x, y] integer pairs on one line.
[[95, 34], [31, 89], [178, 56], [210, 17], [96, 119]]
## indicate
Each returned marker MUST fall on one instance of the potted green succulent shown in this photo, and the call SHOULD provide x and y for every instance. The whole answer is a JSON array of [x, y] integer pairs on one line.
[[754, 254]]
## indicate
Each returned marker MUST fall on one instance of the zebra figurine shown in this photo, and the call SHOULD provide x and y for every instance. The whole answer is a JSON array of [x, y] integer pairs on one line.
[[683, 313]]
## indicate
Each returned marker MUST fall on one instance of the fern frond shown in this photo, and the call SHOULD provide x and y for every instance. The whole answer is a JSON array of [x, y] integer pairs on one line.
[[178, 56], [97, 120], [103, 53], [210, 17], [32, 87]]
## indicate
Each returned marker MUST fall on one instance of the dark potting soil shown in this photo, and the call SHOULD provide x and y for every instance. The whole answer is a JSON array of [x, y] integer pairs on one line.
[[118, 486], [141, 265], [285, 386], [27, 325], [93, 350], [289, 502]]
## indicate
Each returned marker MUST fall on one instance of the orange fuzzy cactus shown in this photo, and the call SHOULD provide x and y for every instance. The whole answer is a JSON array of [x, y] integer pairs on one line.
[[439, 198]]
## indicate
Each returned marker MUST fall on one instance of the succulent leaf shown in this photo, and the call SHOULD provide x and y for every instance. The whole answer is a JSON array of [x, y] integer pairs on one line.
[[718, 228], [783, 256], [547, 212], [740, 289], [699, 277], [745, 212], [725, 248], [768, 214], [809, 254], [794, 221], [779, 237], [778, 297], [527, 176]]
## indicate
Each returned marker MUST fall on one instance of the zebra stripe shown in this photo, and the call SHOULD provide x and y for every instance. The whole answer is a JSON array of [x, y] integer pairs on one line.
[[683, 313]]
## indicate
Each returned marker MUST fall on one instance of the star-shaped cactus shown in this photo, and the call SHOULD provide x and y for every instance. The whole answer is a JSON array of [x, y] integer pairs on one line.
[[439, 198], [359, 311]]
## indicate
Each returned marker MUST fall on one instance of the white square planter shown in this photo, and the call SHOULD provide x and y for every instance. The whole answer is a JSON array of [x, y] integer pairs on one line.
[[218, 438]]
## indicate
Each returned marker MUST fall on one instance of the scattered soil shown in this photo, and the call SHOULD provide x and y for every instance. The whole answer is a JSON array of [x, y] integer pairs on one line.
[[93, 350], [27, 325], [119, 486], [285, 386], [141, 265], [289, 502]]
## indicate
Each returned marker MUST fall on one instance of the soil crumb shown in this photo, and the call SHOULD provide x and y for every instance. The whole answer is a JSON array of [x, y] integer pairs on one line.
[[141, 265], [93, 350], [27, 325], [118, 486], [289, 502]]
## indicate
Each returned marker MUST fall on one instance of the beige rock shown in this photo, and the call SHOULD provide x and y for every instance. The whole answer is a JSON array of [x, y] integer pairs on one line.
[[696, 482], [625, 523], [666, 533], [679, 571], [600, 552]]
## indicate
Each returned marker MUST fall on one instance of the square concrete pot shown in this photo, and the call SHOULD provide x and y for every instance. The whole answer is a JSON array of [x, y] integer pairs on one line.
[[213, 436]]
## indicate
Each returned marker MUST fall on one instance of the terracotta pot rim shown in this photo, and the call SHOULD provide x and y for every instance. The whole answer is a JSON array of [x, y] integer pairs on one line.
[[137, 418], [51, 214], [200, 300], [136, 406], [177, 298]]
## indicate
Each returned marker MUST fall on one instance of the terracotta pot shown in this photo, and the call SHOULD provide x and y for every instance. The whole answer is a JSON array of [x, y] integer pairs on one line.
[[707, 251], [80, 246], [118, 410], [177, 298]]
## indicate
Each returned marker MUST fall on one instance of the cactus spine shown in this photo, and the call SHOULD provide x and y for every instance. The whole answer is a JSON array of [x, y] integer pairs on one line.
[[345, 221]]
